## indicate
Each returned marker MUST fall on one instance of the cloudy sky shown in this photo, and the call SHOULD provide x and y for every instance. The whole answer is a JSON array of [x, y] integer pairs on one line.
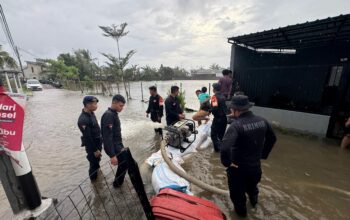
[[185, 33]]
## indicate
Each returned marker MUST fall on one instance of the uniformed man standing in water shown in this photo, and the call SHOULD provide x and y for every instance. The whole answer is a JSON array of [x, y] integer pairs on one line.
[[218, 109], [91, 138], [248, 139], [112, 139], [173, 110], [155, 107]]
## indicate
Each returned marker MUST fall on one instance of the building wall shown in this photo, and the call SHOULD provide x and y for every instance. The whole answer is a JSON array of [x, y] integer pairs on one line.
[[32, 71], [299, 121], [289, 81]]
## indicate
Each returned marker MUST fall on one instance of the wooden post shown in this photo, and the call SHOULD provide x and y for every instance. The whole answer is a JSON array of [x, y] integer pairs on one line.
[[19, 81], [142, 93], [209, 88], [11, 185], [16, 84], [118, 88], [8, 83], [129, 90]]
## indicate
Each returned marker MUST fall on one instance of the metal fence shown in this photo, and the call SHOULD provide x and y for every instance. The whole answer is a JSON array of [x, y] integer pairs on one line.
[[100, 200]]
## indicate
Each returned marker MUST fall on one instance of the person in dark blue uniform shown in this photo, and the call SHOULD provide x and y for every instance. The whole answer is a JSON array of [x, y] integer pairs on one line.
[[248, 139], [219, 110], [173, 110], [91, 132], [155, 107], [112, 139]]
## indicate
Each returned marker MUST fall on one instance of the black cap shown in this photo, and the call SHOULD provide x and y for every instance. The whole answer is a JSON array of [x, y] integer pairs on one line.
[[89, 99], [241, 102], [217, 87]]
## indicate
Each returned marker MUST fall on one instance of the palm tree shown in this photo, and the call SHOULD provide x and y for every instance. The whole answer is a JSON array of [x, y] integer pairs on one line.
[[116, 32], [6, 60]]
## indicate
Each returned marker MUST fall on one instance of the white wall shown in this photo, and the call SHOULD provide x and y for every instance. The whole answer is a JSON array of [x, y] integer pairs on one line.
[[300, 121]]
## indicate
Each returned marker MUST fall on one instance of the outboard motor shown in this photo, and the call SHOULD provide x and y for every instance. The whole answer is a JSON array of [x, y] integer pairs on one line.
[[179, 134]]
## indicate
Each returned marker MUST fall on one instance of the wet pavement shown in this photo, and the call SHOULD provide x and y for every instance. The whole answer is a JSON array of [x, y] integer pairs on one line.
[[304, 177]]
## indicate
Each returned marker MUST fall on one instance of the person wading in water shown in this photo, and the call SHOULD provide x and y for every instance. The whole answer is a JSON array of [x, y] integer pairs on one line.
[[248, 139]]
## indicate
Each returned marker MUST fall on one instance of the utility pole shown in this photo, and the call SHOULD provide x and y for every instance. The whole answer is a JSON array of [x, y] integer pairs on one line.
[[16, 174]]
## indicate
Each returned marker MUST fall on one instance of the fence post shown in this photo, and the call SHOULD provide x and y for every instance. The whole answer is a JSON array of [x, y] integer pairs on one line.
[[129, 89], [142, 93], [209, 88], [136, 180], [8, 82]]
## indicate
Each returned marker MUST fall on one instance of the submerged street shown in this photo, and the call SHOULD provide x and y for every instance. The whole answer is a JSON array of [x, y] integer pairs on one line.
[[304, 178]]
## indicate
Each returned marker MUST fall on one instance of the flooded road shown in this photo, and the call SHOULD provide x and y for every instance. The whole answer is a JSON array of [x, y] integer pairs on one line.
[[304, 178]]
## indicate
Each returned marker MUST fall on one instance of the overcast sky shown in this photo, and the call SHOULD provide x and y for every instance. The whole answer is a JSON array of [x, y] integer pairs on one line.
[[185, 33]]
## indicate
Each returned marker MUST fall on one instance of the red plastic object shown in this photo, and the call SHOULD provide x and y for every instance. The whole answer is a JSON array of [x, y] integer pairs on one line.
[[173, 205]]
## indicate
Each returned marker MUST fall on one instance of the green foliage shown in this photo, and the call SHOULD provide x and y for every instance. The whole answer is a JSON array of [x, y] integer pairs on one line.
[[215, 66], [166, 73], [89, 82], [116, 65], [81, 59], [182, 99], [59, 70], [115, 31], [6, 60]]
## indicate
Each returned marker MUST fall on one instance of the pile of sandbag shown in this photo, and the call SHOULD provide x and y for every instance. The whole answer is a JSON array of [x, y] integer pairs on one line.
[[163, 177]]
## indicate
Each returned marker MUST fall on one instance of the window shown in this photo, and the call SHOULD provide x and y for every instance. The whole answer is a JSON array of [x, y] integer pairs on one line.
[[32, 69], [334, 78]]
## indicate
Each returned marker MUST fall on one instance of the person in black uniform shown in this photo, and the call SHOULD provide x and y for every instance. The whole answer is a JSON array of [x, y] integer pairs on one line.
[[155, 107], [91, 132], [248, 139], [173, 110], [112, 138], [218, 109]]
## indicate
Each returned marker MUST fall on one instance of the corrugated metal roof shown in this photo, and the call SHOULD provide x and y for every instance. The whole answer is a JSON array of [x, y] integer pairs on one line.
[[335, 30]]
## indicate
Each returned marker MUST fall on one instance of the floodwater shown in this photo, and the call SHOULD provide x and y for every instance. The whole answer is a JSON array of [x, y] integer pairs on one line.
[[304, 177]]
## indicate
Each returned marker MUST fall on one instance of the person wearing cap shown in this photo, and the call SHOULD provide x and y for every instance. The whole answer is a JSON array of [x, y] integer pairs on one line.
[[226, 83], [173, 110], [112, 138], [249, 139], [91, 132], [155, 107], [218, 109]]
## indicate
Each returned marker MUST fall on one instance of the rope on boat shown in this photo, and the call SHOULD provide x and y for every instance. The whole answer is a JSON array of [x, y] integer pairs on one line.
[[189, 178]]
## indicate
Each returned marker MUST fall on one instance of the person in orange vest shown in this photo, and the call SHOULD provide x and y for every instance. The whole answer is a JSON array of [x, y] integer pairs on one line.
[[219, 110]]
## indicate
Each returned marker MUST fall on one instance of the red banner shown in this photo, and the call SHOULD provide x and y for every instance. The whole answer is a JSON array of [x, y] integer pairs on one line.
[[11, 120]]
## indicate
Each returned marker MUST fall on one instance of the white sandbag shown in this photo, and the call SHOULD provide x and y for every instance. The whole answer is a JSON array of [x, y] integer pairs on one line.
[[203, 134], [156, 158], [206, 144], [163, 177]]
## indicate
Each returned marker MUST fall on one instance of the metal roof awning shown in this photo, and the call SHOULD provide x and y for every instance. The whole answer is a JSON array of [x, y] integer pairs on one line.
[[335, 30]]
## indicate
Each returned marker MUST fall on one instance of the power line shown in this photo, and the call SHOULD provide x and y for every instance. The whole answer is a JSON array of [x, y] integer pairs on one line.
[[8, 35]]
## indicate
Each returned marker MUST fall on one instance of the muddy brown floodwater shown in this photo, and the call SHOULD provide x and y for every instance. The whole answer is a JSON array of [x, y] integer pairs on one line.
[[304, 177]]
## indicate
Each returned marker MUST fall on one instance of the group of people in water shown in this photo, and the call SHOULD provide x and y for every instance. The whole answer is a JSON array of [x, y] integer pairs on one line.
[[248, 139]]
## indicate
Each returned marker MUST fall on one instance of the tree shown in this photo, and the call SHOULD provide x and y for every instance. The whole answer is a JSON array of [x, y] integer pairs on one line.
[[215, 66], [149, 73], [6, 60], [117, 65], [180, 72], [165, 72], [59, 70], [82, 60], [116, 32]]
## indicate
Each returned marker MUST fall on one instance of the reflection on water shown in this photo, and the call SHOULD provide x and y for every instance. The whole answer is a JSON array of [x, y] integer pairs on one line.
[[304, 178]]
